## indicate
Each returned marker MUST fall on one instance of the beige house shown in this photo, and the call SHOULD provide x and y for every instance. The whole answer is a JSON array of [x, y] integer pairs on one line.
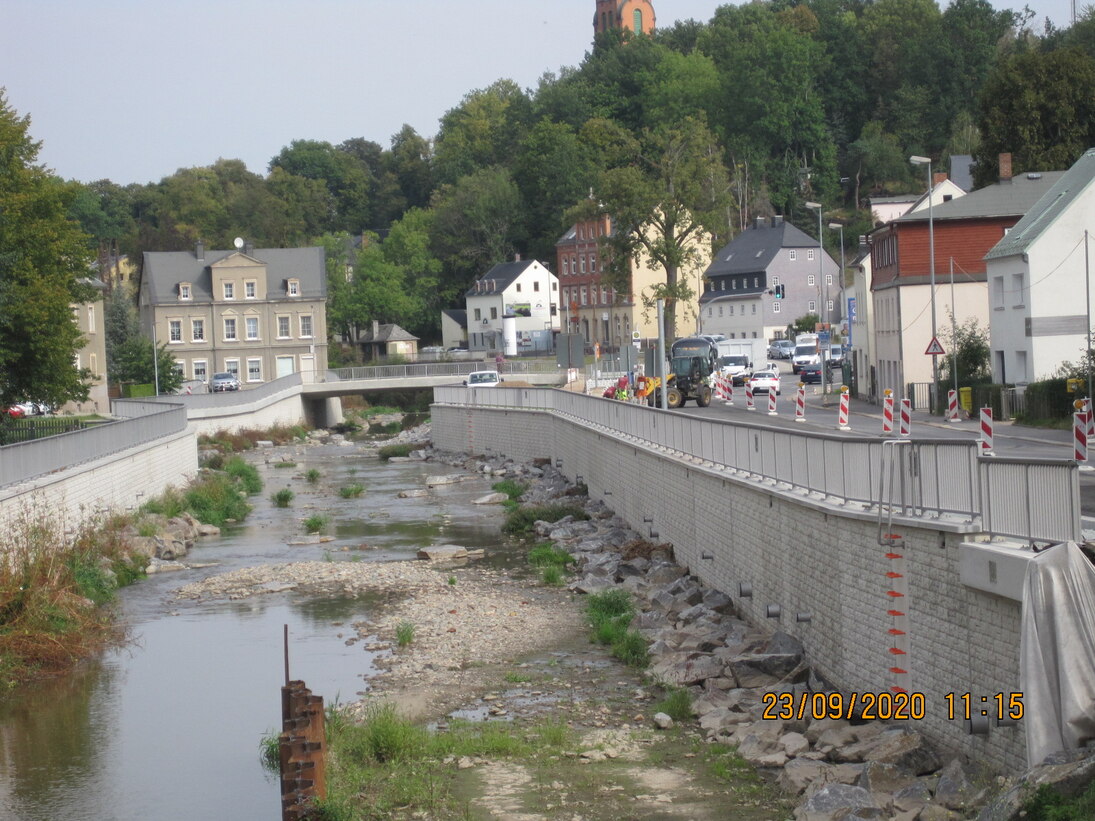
[[258, 313], [89, 318]]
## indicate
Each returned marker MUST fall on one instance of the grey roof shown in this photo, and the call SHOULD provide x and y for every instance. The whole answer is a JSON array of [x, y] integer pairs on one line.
[[896, 198], [498, 278], [961, 171], [164, 270], [754, 248], [1012, 198], [387, 333], [1052, 204], [457, 315]]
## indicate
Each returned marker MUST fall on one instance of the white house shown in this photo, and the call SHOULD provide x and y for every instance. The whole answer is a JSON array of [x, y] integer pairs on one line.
[[522, 289], [1038, 276]]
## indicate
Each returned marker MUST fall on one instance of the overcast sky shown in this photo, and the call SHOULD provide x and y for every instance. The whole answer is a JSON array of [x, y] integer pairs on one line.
[[132, 90]]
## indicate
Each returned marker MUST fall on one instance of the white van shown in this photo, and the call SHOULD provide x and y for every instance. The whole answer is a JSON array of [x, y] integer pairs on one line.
[[483, 379]]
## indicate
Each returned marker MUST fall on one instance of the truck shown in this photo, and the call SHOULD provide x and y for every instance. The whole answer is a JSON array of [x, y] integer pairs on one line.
[[805, 352], [738, 358], [692, 365]]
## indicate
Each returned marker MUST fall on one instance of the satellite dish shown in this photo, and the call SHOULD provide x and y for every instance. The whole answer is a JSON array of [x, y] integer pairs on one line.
[[238, 242]]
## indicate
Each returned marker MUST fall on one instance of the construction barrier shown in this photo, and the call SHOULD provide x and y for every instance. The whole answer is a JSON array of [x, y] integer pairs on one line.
[[842, 415], [749, 396], [905, 431], [1079, 436], [800, 403], [986, 432], [772, 403], [728, 390], [952, 406], [887, 413]]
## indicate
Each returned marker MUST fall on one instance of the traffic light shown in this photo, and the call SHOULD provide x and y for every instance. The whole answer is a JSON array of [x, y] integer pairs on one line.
[[779, 292]]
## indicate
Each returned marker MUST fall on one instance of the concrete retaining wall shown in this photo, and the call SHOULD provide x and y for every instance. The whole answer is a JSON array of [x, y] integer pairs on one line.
[[114, 483], [287, 410], [798, 553]]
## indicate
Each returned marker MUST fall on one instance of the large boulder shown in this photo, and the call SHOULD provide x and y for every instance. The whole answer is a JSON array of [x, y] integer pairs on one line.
[[838, 801], [443, 552], [908, 750], [953, 790], [682, 669]]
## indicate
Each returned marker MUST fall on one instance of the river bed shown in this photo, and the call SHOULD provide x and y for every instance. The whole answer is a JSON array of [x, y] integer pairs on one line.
[[168, 726]]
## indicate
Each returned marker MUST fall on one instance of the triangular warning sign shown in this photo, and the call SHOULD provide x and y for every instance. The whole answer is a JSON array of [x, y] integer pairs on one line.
[[934, 349]]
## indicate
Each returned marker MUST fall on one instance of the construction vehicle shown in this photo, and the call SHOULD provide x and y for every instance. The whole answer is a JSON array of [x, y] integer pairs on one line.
[[693, 362]]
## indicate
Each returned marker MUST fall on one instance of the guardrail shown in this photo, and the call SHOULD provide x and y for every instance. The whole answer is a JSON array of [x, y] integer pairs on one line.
[[510, 367], [138, 421], [940, 479]]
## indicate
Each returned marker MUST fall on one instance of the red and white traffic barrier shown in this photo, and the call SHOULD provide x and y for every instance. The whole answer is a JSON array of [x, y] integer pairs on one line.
[[772, 402], [887, 413], [986, 432], [728, 390], [905, 429], [749, 396], [1079, 436], [842, 416], [800, 403], [720, 386], [952, 406], [189, 392]]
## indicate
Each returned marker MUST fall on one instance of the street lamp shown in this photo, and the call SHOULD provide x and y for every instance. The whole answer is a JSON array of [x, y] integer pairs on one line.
[[915, 160], [816, 206], [833, 226]]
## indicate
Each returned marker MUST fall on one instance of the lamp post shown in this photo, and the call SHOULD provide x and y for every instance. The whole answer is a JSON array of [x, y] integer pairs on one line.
[[839, 226], [916, 160], [816, 206]]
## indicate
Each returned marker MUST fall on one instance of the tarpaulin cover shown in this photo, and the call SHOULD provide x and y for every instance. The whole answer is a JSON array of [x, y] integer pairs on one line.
[[1057, 652]]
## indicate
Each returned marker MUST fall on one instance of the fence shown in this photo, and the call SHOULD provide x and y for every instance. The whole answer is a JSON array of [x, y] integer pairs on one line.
[[26, 430], [945, 481], [509, 367]]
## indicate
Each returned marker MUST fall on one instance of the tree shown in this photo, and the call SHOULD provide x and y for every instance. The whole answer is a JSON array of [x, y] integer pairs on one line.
[[408, 246], [968, 348], [803, 325], [1040, 108], [484, 130], [44, 265], [667, 204]]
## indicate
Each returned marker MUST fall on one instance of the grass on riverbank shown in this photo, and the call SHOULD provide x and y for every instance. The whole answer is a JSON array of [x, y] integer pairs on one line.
[[212, 499], [52, 592], [1048, 805], [236, 441], [609, 614], [521, 520]]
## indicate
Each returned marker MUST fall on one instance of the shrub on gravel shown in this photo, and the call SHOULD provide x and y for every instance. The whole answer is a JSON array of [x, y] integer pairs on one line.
[[522, 519]]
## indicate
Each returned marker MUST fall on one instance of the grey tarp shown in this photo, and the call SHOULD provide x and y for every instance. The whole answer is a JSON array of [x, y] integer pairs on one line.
[[1057, 652]]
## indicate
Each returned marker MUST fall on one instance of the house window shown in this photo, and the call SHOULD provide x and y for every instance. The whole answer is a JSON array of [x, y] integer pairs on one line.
[[731, 311], [794, 254], [754, 307], [197, 330], [733, 285], [775, 307], [1017, 291], [494, 313], [566, 266], [536, 285], [573, 264], [179, 368], [250, 289], [293, 287], [637, 18], [184, 290], [478, 314], [583, 297], [174, 330], [720, 310], [199, 370], [283, 327], [604, 295], [810, 254], [518, 287], [232, 366], [810, 280], [93, 365], [229, 290], [91, 319], [829, 306], [756, 282], [828, 279], [229, 329], [306, 326], [593, 263], [582, 264], [254, 370], [252, 324], [998, 289], [811, 306]]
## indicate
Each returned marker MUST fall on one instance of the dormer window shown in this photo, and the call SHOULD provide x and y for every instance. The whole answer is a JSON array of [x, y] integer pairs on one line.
[[184, 290], [250, 289], [293, 287]]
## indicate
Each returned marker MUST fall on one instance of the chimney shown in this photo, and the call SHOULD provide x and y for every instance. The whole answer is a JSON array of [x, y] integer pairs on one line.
[[249, 248], [494, 285], [376, 329], [199, 250], [938, 177], [516, 257], [777, 220], [1005, 167], [758, 222]]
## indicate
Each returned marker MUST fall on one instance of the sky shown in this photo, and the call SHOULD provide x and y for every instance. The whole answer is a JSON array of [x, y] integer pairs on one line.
[[133, 90]]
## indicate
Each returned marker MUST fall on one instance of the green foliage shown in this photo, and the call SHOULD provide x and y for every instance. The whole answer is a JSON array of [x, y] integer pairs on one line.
[[282, 498], [315, 523], [44, 260], [269, 752], [608, 614], [215, 500], [312, 476], [518, 678], [245, 473], [967, 345], [404, 633], [452, 581], [287, 463], [677, 704], [388, 451], [546, 555], [351, 491], [552, 575], [515, 490], [1047, 399], [1048, 805], [522, 519]]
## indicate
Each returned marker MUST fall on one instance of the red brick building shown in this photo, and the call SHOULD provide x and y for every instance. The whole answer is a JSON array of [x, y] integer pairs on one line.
[[636, 16]]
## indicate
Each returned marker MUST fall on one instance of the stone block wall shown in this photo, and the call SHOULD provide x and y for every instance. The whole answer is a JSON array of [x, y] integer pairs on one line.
[[799, 553]]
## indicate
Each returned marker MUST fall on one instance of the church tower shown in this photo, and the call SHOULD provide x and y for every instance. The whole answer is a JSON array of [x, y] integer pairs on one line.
[[635, 16]]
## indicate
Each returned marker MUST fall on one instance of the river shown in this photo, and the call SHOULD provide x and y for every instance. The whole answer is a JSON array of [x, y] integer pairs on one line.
[[168, 726]]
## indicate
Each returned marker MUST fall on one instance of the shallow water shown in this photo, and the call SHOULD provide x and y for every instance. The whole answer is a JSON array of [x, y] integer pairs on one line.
[[168, 726]]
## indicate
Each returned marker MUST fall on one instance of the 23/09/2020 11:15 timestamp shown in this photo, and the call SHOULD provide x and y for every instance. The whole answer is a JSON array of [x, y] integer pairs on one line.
[[1001, 706]]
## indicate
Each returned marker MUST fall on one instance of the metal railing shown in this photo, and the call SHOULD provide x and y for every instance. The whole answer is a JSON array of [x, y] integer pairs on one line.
[[937, 479], [138, 421], [512, 367]]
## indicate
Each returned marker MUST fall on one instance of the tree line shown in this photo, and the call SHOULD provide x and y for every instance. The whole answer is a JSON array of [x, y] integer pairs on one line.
[[772, 104]]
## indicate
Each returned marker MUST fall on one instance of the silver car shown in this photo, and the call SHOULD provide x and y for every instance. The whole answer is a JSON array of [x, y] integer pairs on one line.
[[224, 382]]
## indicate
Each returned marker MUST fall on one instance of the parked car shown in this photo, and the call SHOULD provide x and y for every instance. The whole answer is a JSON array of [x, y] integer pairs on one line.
[[224, 382], [765, 382], [781, 349], [432, 350], [483, 379], [15, 412], [32, 408], [810, 372]]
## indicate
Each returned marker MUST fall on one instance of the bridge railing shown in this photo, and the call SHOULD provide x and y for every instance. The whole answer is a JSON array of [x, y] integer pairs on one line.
[[940, 479], [511, 367]]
